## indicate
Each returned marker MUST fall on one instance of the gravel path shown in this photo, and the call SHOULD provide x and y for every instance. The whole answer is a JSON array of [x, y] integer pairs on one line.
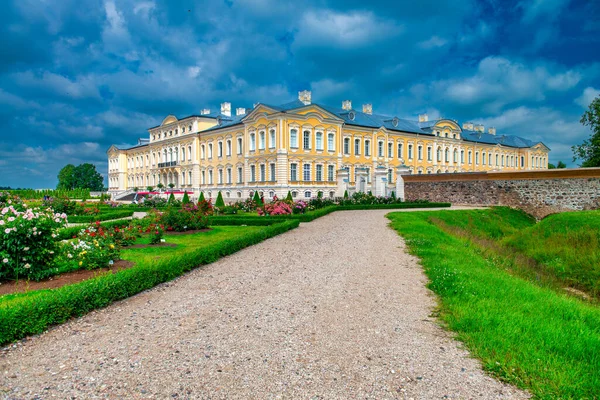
[[332, 310]]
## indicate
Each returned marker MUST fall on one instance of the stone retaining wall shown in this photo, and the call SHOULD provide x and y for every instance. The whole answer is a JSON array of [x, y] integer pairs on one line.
[[538, 193]]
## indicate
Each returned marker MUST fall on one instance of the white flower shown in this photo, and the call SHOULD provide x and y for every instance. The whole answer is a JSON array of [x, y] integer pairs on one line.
[[5, 260], [4, 210], [26, 265], [11, 219], [7, 230], [111, 262], [26, 248], [69, 255], [2, 222], [34, 228], [53, 235], [162, 240]]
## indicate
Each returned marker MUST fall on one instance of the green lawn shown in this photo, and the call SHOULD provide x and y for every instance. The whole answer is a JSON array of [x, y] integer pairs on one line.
[[524, 330], [185, 243]]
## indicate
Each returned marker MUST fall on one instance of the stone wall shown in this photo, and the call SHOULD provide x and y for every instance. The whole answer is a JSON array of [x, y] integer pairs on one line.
[[538, 193]]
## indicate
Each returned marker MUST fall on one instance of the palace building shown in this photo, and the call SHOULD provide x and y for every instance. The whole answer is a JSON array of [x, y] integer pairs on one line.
[[307, 148]]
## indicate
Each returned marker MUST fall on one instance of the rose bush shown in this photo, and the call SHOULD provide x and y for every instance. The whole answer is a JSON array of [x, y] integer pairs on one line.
[[188, 217], [94, 247], [28, 245], [275, 208]]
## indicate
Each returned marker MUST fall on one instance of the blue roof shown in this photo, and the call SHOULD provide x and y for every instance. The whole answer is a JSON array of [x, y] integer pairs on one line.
[[504, 140]]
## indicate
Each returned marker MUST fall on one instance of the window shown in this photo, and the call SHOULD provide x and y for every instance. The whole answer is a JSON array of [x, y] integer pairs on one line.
[[420, 152], [522, 162], [220, 148], [439, 154], [410, 151], [470, 157], [220, 181], [346, 145], [210, 177], [367, 148], [330, 173], [476, 158], [272, 139], [306, 140], [239, 145], [263, 173], [319, 139], [293, 172], [483, 158], [252, 173], [183, 153], [240, 175], [261, 140], [390, 149], [203, 178], [228, 148], [228, 175], [503, 160], [330, 142], [380, 148], [272, 172], [428, 153], [356, 147], [447, 155], [307, 194], [294, 194], [319, 173], [306, 172], [189, 177], [210, 150], [462, 156], [294, 138], [455, 158], [399, 150], [252, 142], [189, 153]]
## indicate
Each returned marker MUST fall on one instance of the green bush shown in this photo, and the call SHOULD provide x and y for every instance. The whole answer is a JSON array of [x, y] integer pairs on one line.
[[345, 194], [75, 219], [186, 198], [289, 197], [183, 219], [34, 314], [201, 198], [219, 203], [256, 199], [171, 198]]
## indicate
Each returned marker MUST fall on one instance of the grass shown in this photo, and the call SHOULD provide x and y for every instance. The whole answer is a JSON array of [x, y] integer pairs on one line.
[[185, 243], [524, 332]]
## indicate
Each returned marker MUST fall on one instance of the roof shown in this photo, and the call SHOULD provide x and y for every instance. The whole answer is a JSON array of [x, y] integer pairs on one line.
[[504, 140]]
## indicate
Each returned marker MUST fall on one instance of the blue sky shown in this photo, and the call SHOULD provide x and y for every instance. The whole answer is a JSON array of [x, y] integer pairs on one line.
[[78, 76]]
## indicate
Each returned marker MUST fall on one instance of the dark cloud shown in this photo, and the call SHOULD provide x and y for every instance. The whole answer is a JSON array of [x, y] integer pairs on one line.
[[78, 76]]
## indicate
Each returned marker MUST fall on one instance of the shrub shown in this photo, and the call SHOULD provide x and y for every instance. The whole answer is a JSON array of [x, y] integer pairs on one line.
[[219, 203], [345, 194], [205, 206], [61, 205], [27, 241], [275, 208], [94, 247], [256, 199], [289, 197], [171, 197], [187, 218], [201, 198], [299, 207], [154, 201], [186, 198]]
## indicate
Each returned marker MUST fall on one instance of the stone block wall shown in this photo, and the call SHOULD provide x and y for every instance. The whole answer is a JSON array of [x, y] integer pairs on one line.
[[537, 193]]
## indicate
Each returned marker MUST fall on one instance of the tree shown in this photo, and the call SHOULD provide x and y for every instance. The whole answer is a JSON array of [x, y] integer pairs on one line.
[[551, 166], [345, 194], [219, 203], [160, 186], [83, 176], [150, 188], [289, 197], [186, 198], [201, 198], [589, 151], [66, 177], [171, 185], [171, 198], [256, 199], [561, 165]]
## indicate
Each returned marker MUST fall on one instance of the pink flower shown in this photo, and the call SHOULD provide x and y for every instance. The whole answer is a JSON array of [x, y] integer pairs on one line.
[[7, 230], [2, 222]]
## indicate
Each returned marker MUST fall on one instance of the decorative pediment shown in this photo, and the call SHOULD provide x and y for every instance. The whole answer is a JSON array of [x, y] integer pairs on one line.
[[541, 146], [113, 151], [313, 110], [447, 123], [169, 120], [260, 109]]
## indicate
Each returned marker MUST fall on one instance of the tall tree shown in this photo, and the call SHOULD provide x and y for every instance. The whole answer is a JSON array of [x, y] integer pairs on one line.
[[66, 177], [589, 151], [83, 176]]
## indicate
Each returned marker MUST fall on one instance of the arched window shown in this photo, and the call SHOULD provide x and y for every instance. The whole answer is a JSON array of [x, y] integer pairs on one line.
[[239, 145], [367, 148], [439, 154], [220, 148], [182, 153], [380, 149], [202, 152], [252, 142], [330, 142], [228, 148], [189, 152], [455, 158], [261, 140], [447, 155], [307, 194], [306, 140], [420, 152], [357, 147], [210, 150], [399, 152], [272, 139], [346, 145], [319, 140], [294, 138]]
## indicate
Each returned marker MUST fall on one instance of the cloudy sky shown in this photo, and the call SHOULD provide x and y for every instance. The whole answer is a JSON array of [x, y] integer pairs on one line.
[[79, 75]]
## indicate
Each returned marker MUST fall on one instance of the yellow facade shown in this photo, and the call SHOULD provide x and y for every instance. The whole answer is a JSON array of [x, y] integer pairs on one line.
[[301, 149]]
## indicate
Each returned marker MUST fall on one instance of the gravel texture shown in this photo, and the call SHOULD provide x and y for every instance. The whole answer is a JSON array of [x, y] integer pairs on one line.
[[332, 310]]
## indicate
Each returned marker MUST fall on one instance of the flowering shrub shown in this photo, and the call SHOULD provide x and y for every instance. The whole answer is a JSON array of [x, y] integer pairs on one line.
[[86, 209], [205, 206], [27, 240], [154, 201], [275, 208], [94, 247], [189, 217], [151, 226], [61, 205], [299, 207]]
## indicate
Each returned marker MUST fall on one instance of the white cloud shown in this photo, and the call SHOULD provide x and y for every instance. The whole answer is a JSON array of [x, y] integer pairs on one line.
[[329, 28], [589, 94], [194, 71], [17, 102], [432, 43], [115, 36], [144, 8]]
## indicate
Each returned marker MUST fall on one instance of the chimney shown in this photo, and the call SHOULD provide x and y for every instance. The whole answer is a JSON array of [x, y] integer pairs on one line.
[[305, 97], [226, 109], [423, 117], [492, 130], [240, 111], [347, 105], [468, 126], [368, 108], [479, 128], [205, 111]]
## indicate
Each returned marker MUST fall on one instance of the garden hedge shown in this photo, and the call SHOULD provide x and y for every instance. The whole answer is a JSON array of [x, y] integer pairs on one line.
[[33, 314], [74, 219]]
